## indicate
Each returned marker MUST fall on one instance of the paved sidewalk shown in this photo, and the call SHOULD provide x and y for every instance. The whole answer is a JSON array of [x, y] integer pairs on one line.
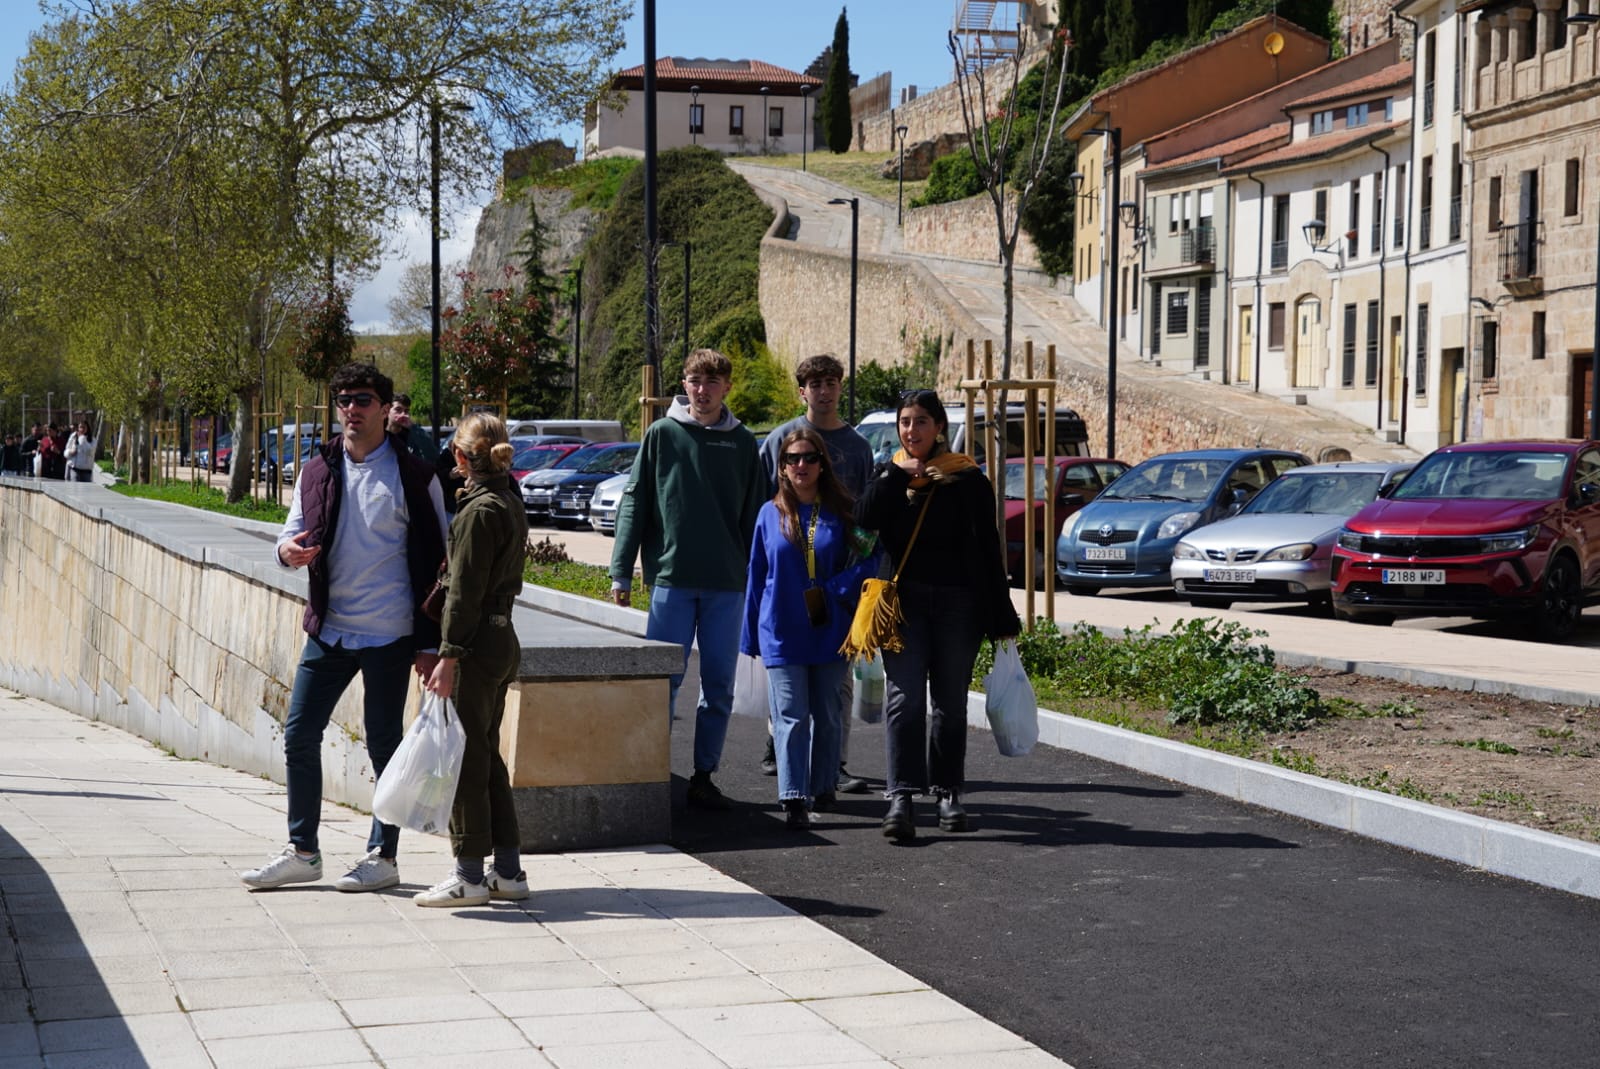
[[130, 943]]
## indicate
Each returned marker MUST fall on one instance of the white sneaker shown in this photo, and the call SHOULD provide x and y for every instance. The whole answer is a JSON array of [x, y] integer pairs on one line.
[[288, 867], [372, 873], [512, 890], [453, 892]]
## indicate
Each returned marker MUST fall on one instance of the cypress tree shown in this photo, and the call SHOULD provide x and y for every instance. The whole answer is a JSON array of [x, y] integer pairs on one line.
[[834, 107]]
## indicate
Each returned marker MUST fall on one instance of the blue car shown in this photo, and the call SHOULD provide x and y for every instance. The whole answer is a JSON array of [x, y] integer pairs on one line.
[[569, 500], [1125, 537]]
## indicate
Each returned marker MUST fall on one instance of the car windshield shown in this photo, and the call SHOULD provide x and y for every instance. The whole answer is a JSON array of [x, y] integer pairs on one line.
[[575, 460], [1016, 481], [884, 439], [1168, 479], [1501, 475], [1334, 493], [534, 457], [610, 462]]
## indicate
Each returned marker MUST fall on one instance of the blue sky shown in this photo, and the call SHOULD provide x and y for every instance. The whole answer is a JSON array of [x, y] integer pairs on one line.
[[902, 36]]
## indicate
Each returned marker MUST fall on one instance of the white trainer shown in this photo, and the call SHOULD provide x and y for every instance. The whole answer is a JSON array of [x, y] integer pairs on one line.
[[288, 867], [452, 893], [512, 890], [372, 873]]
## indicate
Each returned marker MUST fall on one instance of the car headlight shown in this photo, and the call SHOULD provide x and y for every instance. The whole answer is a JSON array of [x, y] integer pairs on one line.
[[1298, 551], [1176, 524], [1350, 540], [1071, 534], [1184, 551], [1510, 541]]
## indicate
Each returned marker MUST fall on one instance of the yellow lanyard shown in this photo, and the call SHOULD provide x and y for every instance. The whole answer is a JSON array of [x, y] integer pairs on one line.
[[811, 543]]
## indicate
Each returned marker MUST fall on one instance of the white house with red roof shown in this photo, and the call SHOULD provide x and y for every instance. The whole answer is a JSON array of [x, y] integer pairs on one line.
[[735, 106]]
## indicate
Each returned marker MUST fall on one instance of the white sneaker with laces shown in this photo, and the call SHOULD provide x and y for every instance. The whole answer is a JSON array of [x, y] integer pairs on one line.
[[453, 892], [288, 867], [372, 873], [512, 890]]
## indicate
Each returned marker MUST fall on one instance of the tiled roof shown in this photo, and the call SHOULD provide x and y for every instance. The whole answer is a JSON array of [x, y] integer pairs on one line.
[[1310, 148], [1282, 25], [753, 72], [1255, 139], [1388, 78]]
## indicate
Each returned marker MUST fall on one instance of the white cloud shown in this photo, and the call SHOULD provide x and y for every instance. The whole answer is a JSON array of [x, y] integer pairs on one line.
[[369, 305]]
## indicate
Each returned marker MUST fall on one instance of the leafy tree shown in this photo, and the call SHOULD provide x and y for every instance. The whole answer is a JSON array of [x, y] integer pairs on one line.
[[499, 340], [834, 106], [952, 177], [411, 303], [419, 359]]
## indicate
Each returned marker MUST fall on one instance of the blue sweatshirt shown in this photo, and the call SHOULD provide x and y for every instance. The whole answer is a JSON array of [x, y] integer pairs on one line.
[[776, 626]]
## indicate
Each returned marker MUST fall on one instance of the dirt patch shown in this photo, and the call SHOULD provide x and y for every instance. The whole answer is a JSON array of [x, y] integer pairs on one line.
[[1525, 762]]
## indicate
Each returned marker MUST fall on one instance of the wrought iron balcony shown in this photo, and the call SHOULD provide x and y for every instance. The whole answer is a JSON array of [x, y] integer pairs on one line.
[[1200, 245], [1519, 257], [1455, 217]]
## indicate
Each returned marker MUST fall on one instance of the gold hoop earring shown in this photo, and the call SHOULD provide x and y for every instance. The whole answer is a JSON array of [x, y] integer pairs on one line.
[[939, 438]]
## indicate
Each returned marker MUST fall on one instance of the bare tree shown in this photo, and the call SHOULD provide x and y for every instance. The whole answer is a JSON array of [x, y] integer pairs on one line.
[[413, 294]]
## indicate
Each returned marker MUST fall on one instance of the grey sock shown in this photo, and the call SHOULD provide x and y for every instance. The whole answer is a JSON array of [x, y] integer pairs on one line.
[[470, 869], [508, 861]]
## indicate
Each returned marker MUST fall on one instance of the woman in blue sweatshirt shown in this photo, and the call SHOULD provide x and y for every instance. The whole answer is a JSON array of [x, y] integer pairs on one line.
[[799, 596]]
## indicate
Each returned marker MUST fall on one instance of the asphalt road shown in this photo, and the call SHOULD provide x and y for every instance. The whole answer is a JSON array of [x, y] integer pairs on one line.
[[1120, 920]]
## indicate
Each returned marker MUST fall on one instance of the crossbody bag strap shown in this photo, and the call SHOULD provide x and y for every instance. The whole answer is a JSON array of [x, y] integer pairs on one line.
[[914, 532]]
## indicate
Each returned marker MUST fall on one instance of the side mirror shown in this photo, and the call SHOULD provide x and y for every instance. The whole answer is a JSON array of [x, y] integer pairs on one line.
[[1070, 498], [1588, 493]]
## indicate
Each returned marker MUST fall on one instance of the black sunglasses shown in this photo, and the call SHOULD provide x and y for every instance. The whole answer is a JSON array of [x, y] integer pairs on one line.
[[355, 400], [802, 458]]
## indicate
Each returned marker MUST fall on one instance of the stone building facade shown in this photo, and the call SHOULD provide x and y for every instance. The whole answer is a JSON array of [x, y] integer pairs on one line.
[[1534, 151]]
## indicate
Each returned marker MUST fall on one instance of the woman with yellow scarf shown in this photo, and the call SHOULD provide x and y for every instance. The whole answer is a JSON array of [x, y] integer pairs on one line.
[[934, 512]]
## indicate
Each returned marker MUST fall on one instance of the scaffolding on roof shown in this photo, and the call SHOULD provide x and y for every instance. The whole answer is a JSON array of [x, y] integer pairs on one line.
[[989, 30]]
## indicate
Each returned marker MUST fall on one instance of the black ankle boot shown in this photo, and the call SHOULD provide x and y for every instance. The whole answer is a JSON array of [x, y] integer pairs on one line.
[[952, 815], [900, 822], [795, 813]]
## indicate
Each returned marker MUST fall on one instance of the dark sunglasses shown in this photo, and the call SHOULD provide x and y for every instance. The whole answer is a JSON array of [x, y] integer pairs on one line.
[[802, 458], [355, 400]]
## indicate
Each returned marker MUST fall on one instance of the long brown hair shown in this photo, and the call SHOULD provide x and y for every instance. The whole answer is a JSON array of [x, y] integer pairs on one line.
[[831, 493]]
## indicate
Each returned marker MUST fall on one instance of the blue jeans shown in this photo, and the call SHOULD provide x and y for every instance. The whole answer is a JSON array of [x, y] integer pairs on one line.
[[714, 617], [324, 673], [805, 726], [942, 635]]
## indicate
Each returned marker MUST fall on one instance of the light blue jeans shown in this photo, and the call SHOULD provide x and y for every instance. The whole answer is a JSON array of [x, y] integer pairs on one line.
[[805, 726], [684, 615]]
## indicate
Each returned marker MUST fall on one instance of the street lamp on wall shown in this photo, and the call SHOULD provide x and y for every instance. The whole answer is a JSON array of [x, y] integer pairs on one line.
[[1130, 219], [900, 209], [855, 233], [1315, 231], [694, 115], [764, 91], [805, 124]]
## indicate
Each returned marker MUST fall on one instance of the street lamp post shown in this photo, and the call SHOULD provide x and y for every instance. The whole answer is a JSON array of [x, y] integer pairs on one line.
[[900, 208], [72, 407], [805, 124], [434, 109], [24, 414], [577, 333], [694, 115], [855, 236], [764, 91], [49, 408]]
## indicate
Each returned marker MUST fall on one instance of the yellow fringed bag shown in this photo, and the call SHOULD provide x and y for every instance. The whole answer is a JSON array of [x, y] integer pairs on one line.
[[876, 624]]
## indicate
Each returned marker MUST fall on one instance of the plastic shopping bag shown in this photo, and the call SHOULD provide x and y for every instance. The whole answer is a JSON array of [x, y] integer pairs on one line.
[[867, 702], [1009, 702], [418, 785], [750, 687]]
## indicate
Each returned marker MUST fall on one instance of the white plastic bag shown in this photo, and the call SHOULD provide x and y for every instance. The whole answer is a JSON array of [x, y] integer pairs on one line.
[[867, 702], [418, 785], [1009, 702], [750, 696]]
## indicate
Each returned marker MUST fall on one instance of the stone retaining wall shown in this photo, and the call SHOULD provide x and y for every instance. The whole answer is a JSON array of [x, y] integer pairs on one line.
[[964, 230], [178, 626]]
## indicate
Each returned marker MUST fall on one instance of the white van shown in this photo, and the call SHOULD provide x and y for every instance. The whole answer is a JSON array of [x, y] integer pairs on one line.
[[1072, 437], [590, 430]]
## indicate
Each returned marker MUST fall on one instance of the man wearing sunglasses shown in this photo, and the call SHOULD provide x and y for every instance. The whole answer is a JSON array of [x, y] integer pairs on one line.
[[368, 524], [821, 381]]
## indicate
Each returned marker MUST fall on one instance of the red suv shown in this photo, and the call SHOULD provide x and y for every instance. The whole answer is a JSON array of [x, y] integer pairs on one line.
[[1481, 529]]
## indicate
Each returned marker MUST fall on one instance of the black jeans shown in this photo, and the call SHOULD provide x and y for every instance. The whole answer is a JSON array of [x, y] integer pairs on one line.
[[942, 634], [484, 816]]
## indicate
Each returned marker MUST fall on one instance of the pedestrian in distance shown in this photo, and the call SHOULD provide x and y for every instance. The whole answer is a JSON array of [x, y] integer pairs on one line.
[[418, 439], [479, 655], [367, 522], [801, 591], [80, 454], [11, 459], [934, 510], [821, 380], [50, 463], [30, 450], [688, 514]]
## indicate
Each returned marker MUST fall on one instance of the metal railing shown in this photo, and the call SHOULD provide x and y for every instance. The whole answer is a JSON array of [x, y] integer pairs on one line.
[[1280, 255], [1199, 245], [1519, 250], [1425, 227], [1455, 217]]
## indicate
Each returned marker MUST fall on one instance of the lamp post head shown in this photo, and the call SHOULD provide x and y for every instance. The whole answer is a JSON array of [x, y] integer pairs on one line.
[[765, 90], [901, 131], [1315, 231], [1129, 212], [694, 91], [1076, 181]]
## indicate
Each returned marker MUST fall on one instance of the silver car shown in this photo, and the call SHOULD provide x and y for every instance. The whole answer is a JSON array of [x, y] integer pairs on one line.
[[1279, 546], [603, 505]]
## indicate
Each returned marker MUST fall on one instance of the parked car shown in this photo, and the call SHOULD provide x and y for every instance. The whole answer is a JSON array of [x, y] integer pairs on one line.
[[539, 486], [1072, 437], [1279, 546], [584, 430], [1125, 537], [569, 505], [603, 505], [271, 463], [1078, 480], [1480, 529], [224, 451], [536, 453]]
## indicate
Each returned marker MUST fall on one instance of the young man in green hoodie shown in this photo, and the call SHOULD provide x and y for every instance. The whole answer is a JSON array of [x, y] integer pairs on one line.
[[689, 513]]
